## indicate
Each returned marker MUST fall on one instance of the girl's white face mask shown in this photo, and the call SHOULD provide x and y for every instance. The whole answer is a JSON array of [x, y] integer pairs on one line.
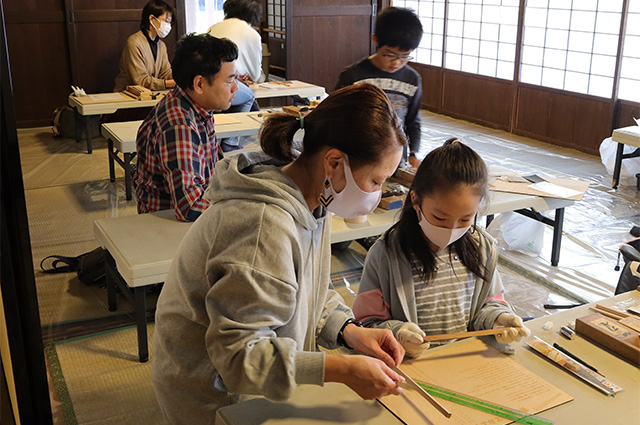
[[351, 201], [164, 29], [441, 237]]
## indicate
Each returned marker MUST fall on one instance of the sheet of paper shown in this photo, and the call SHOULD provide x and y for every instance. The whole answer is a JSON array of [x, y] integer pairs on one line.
[[554, 189], [222, 119], [477, 370], [107, 97], [579, 186], [275, 85]]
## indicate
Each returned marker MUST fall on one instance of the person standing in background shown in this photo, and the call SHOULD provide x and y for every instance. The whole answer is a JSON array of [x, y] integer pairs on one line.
[[240, 16], [144, 59], [398, 32]]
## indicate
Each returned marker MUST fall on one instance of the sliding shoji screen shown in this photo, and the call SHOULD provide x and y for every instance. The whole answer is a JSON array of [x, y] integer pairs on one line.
[[481, 37], [276, 17], [431, 14], [629, 86], [571, 45]]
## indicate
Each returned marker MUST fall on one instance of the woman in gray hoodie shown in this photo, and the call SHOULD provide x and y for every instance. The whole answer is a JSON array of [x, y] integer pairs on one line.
[[248, 299]]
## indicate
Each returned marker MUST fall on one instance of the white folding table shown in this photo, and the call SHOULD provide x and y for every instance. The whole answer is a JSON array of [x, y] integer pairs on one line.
[[531, 206], [121, 138], [140, 248], [334, 403], [108, 103], [624, 136], [104, 103], [287, 88]]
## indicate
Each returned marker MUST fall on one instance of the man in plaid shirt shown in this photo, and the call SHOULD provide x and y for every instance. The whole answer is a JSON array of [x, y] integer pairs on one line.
[[176, 143]]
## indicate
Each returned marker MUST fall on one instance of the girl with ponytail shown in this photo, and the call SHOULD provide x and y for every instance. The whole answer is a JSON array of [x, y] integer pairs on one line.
[[434, 272]]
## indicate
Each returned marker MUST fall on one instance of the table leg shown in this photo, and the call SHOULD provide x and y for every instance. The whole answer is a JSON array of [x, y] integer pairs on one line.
[[557, 229], [618, 165], [141, 323], [110, 268], [112, 168], [76, 120], [127, 174], [489, 220], [557, 236], [86, 125]]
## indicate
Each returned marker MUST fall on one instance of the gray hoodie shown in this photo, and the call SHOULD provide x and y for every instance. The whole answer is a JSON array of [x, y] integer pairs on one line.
[[247, 299]]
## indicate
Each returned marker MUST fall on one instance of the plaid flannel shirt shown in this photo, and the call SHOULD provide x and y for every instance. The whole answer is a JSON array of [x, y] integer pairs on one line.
[[177, 151]]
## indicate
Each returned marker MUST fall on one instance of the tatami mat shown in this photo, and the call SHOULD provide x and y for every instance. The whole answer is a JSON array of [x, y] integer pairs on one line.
[[53, 161], [104, 381], [99, 380], [65, 214]]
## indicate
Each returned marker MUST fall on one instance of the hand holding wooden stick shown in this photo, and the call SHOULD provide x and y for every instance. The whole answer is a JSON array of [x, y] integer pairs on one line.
[[442, 337]]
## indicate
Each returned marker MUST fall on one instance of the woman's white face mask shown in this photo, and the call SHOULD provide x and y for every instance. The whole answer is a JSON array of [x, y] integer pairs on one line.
[[164, 29], [351, 201]]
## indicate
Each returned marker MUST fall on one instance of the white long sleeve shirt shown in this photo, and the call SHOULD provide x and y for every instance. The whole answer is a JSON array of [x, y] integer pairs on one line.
[[249, 46]]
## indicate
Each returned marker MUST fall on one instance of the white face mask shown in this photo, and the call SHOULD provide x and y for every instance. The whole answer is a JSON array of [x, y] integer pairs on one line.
[[165, 28], [441, 237], [352, 201]]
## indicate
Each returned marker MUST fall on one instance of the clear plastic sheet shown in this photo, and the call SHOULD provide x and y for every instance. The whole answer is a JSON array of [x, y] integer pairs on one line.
[[594, 227]]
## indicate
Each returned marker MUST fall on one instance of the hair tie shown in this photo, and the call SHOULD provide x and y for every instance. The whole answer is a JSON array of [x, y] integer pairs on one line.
[[301, 119], [297, 142]]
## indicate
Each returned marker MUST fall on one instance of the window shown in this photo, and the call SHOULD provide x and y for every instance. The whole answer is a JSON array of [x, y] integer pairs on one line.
[[629, 86], [276, 18], [481, 37], [572, 44], [431, 14], [201, 14]]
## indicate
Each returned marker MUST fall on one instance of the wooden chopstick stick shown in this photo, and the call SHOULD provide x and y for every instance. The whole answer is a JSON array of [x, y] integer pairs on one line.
[[612, 311], [414, 385], [441, 337], [606, 313]]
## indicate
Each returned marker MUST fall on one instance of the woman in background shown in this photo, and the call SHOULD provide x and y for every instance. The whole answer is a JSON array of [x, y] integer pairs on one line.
[[144, 59]]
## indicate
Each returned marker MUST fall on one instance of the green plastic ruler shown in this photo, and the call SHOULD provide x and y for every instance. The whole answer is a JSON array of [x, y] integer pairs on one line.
[[485, 406]]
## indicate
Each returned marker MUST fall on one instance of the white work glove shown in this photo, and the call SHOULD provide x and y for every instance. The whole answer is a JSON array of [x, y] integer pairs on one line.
[[514, 329], [410, 337]]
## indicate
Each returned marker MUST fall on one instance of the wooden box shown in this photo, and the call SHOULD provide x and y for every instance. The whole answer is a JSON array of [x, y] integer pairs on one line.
[[139, 92], [391, 202], [297, 110], [404, 176], [611, 334]]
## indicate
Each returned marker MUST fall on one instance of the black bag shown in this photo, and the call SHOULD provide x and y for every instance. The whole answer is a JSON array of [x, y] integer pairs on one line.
[[89, 266], [630, 276], [63, 124]]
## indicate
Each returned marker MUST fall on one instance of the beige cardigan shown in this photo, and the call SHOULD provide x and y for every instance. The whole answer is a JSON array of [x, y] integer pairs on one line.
[[138, 67]]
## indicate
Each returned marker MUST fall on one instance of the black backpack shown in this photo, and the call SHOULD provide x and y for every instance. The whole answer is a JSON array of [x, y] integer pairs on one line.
[[89, 266]]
